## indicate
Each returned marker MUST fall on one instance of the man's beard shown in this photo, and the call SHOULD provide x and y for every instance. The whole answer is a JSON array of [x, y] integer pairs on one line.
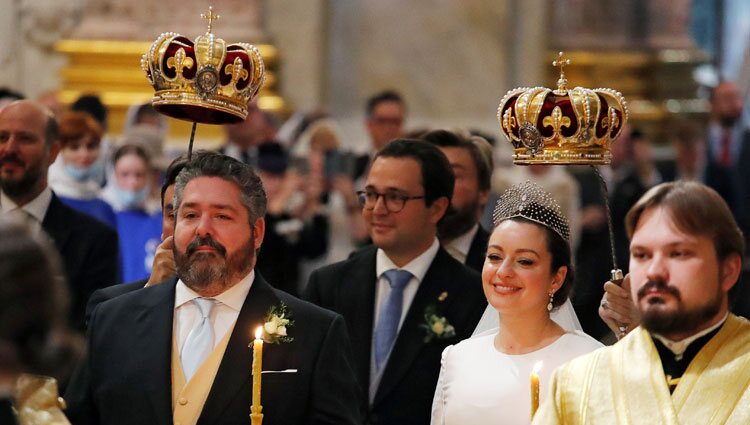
[[458, 221], [28, 181], [198, 271], [677, 321]]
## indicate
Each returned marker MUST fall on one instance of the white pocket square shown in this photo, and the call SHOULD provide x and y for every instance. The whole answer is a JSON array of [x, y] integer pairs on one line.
[[279, 371]]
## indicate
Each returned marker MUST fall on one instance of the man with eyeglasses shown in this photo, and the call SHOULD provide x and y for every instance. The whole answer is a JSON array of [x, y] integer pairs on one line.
[[385, 113], [405, 298]]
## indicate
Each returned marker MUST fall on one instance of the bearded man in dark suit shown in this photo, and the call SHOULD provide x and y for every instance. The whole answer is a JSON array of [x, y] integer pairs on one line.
[[177, 352], [405, 298]]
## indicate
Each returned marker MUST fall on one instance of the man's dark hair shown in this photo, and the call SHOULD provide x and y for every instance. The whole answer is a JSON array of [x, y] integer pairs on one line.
[[92, 104], [10, 94], [480, 156], [382, 97], [437, 175], [212, 164], [173, 170]]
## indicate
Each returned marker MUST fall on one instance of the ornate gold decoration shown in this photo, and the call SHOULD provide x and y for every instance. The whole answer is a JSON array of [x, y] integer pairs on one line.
[[187, 80], [562, 126]]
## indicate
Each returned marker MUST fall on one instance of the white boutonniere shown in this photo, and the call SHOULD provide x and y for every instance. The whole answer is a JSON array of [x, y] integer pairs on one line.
[[276, 325], [435, 325]]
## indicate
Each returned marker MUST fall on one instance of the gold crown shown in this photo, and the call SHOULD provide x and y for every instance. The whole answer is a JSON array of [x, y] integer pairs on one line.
[[207, 81], [562, 126]]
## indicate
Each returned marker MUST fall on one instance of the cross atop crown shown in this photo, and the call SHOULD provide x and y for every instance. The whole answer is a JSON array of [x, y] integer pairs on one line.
[[210, 17], [561, 62]]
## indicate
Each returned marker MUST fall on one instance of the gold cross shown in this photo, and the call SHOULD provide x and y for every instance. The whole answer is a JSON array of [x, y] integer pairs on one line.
[[561, 62], [210, 18]]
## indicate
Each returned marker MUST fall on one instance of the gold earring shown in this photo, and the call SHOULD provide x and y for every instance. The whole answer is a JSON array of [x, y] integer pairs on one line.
[[549, 305]]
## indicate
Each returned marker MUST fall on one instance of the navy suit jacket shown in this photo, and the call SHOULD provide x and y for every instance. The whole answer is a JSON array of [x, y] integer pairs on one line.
[[89, 252], [126, 377], [407, 386]]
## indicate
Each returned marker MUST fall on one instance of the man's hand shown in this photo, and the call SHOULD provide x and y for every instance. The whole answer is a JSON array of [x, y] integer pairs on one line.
[[164, 266], [617, 308]]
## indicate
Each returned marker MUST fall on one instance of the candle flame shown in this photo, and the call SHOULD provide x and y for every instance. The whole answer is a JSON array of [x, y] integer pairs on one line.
[[259, 332], [537, 367]]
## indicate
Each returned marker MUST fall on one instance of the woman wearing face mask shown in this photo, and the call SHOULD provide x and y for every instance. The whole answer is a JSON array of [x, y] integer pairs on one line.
[[527, 274], [138, 226], [73, 177]]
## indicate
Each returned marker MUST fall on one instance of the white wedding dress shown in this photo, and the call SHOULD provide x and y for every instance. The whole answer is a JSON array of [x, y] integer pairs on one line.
[[480, 385]]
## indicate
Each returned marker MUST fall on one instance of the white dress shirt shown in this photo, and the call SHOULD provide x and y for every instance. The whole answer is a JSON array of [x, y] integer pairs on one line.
[[417, 267], [459, 247], [35, 209], [223, 315]]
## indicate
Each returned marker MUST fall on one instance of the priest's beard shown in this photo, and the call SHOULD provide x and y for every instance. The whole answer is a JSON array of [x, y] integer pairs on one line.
[[657, 319], [458, 221], [215, 270]]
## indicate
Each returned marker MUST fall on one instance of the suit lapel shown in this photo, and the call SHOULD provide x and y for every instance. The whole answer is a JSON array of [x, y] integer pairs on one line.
[[410, 340], [153, 320], [358, 299], [56, 222], [236, 366]]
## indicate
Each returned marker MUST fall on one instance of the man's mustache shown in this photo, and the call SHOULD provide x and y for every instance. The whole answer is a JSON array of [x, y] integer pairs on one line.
[[205, 241], [659, 285], [11, 158]]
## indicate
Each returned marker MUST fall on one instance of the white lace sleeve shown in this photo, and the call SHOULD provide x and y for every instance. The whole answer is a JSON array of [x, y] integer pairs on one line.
[[565, 316], [438, 402]]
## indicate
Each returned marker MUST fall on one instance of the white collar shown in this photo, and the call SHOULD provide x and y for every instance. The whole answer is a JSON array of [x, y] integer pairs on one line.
[[233, 297], [417, 267], [462, 243], [37, 207], [679, 347]]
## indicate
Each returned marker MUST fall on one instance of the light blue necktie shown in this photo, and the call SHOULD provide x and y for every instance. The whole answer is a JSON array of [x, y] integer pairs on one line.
[[200, 341], [390, 315]]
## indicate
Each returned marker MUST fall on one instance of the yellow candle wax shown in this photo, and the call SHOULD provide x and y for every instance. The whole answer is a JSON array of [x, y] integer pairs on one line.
[[257, 368], [535, 388]]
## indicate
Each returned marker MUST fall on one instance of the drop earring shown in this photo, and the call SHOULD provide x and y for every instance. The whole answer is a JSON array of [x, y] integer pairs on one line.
[[549, 305]]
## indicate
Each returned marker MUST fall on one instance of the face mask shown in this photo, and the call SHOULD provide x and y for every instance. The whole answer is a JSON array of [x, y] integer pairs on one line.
[[131, 200], [81, 174]]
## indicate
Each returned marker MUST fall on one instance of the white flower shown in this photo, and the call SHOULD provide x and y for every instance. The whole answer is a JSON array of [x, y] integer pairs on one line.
[[438, 327], [281, 330], [270, 327]]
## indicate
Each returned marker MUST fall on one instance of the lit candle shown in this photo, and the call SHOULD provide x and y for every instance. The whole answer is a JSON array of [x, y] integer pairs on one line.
[[256, 417], [535, 388]]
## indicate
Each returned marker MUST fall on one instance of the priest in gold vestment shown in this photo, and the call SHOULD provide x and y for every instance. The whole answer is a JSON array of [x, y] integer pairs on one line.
[[689, 361]]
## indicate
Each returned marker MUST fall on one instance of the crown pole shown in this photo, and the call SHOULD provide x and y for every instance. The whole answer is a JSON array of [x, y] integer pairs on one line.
[[190, 144]]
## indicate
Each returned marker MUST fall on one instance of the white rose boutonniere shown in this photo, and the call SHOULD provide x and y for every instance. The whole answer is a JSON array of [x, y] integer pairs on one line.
[[276, 324], [436, 326]]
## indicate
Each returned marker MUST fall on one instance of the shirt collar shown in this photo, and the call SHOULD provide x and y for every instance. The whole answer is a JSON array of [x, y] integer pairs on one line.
[[233, 297], [36, 208], [462, 243], [417, 267], [679, 347]]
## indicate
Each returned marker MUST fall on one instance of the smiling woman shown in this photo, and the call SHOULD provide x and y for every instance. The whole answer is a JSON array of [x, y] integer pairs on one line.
[[527, 274]]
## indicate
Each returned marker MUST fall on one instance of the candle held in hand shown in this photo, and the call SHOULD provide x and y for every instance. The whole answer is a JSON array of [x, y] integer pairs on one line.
[[535, 388], [256, 408]]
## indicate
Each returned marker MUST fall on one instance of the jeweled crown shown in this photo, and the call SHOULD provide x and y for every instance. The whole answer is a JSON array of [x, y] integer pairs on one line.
[[205, 81], [563, 126]]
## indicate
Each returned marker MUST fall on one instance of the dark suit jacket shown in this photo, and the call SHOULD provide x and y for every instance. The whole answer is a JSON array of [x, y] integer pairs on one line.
[[126, 378], [104, 294], [478, 250], [89, 252], [408, 382]]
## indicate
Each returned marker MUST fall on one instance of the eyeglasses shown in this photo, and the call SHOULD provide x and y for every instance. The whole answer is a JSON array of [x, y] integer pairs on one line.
[[393, 201]]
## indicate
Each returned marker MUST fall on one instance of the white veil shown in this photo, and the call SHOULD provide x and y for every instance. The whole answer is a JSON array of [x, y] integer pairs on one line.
[[564, 316]]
